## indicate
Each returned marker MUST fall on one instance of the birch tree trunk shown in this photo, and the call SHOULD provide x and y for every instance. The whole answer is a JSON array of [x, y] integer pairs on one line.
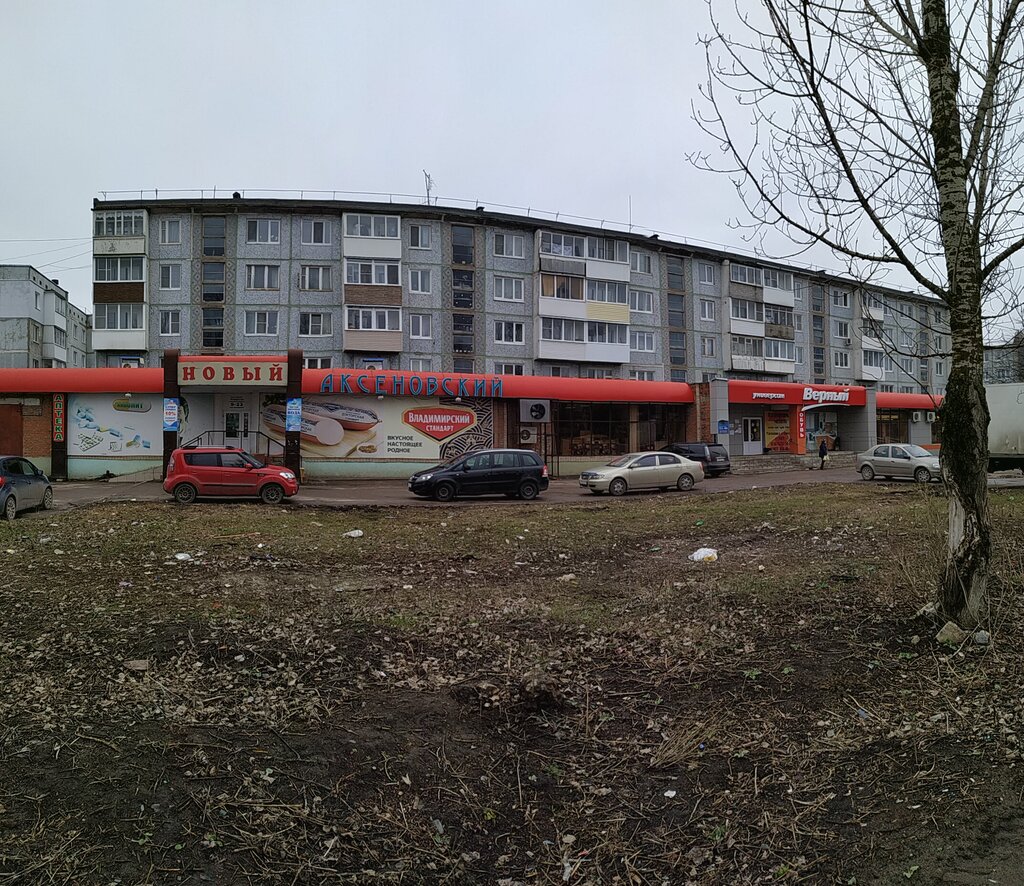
[[962, 590]]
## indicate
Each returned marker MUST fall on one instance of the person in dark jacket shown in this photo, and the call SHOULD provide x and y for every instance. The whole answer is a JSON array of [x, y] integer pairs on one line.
[[822, 452]]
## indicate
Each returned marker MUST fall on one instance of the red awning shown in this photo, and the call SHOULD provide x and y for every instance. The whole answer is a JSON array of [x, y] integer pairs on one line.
[[83, 381], [890, 400]]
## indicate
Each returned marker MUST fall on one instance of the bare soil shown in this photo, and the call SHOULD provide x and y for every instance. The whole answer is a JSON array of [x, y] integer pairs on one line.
[[516, 694]]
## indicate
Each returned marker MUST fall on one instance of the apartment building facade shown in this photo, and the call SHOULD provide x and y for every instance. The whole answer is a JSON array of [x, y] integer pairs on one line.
[[441, 289], [39, 327]]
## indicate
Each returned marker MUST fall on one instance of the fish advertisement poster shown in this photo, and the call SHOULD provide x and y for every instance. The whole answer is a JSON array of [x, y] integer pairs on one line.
[[115, 425], [364, 428]]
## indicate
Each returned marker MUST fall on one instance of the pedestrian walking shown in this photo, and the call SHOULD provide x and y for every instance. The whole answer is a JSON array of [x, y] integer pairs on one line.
[[822, 453]]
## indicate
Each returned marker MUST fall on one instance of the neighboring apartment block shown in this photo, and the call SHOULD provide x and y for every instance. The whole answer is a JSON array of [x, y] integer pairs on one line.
[[39, 327], [432, 288]]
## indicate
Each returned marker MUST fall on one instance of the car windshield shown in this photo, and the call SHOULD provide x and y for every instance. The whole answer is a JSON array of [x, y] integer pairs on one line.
[[920, 452], [621, 461]]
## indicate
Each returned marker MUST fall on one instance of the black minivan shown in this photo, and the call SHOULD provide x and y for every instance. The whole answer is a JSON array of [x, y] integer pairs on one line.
[[713, 456], [517, 473]]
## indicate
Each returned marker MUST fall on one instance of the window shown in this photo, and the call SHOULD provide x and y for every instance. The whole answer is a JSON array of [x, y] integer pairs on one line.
[[372, 273], [508, 333], [119, 269], [606, 333], [906, 364], [462, 364], [745, 274], [778, 316], [213, 235], [557, 329], [779, 349], [606, 249], [841, 359], [677, 348], [508, 368], [641, 374], [213, 281], [819, 361], [316, 277], [745, 346], [675, 310], [640, 262], [907, 389], [678, 375], [119, 224], [922, 313], [60, 338], [37, 301], [597, 372], [705, 272], [778, 280], [508, 245], [603, 290], [840, 298], [841, 329], [316, 323], [508, 289], [676, 279], [419, 281], [37, 332], [558, 286], [906, 339], [419, 326], [818, 299], [874, 359], [261, 322], [60, 306], [317, 362], [940, 343], [262, 277], [462, 288], [170, 276], [419, 236], [462, 333], [420, 364], [123, 316], [371, 319], [641, 301], [315, 233], [462, 245], [707, 346], [743, 309], [818, 329], [875, 302], [263, 230], [561, 244], [378, 226], [800, 355], [798, 322], [641, 341], [170, 231], [170, 322], [462, 323], [888, 389]]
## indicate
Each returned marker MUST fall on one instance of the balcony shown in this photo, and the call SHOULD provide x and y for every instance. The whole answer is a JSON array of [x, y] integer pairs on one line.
[[743, 363], [119, 339], [782, 297], [751, 328], [372, 340], [599, 269], [103, 246], [608, 312], [781, 367], [570, 308]]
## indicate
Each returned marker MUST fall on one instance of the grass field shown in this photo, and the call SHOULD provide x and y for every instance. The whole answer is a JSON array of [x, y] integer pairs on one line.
[[511, 695]]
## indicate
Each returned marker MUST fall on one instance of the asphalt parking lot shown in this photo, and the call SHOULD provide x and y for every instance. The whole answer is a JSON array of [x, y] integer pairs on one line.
[[393, 493]]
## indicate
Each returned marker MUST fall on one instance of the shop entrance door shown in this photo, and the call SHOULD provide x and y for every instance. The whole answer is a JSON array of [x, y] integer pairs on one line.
[[238, 421], [10, 429], [753, 436]]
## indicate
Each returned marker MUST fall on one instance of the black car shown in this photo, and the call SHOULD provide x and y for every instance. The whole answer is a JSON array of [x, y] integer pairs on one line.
[[713, 456], [514, 472], [22, 486]]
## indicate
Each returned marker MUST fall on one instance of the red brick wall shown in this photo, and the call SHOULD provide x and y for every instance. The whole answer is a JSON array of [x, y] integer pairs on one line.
[[698, 416], [36, 427]]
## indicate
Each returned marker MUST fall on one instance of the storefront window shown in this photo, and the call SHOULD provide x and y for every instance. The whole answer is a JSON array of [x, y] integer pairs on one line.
[[893, 426]]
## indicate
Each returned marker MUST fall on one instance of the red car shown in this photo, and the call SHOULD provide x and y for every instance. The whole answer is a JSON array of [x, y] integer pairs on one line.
[[223, 471]]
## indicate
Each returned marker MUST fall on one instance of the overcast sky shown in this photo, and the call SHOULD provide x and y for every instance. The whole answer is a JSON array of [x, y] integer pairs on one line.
[[579, 106]]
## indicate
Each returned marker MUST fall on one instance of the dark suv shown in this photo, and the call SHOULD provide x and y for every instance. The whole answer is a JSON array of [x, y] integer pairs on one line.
[[514, 472], [713, 456]]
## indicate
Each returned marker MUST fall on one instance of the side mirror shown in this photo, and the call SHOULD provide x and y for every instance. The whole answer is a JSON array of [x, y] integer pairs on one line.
[[465, 467], [248, 466]]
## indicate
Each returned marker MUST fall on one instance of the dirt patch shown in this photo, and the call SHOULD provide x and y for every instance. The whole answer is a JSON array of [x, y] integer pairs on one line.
[[513, 694]]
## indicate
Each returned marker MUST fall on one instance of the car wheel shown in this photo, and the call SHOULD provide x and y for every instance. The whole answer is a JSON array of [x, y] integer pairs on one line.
[[528, 490], [618, 486], [867, 472], [684, 482], [10, 509], [272, 494], [922, 475], [444, 492], [47, 499], [185, 493]]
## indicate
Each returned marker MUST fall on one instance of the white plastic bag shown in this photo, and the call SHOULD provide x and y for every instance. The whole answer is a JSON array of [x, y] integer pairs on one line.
[[704, 555]]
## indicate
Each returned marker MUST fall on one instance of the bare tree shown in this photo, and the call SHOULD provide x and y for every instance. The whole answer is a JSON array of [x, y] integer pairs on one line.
[[890, 131]]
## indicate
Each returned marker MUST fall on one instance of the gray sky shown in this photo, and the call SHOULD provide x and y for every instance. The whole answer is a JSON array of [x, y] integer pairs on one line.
[[573, 106]]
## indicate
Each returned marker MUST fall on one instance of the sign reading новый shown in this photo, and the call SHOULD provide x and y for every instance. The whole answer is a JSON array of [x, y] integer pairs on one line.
[[235, 372]]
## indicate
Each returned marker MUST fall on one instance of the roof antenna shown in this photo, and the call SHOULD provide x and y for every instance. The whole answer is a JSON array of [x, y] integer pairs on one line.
[[428, 180]]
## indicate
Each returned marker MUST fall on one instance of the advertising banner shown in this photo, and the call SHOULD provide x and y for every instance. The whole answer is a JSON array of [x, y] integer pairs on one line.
[[58, 418], [170, 413], [112, 425], [776, 431], [339, 427]]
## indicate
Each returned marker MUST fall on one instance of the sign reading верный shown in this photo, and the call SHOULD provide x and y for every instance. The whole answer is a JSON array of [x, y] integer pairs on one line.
[[234, 372]]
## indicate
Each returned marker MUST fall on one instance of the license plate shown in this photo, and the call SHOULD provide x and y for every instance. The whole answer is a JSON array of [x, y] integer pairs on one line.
[[583, 482]]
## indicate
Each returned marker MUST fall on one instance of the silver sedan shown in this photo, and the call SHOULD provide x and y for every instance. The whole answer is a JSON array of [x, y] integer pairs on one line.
[[643, 470], [899, 460]]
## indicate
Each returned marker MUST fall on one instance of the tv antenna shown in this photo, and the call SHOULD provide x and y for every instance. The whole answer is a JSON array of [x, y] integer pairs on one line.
[[428, 180]]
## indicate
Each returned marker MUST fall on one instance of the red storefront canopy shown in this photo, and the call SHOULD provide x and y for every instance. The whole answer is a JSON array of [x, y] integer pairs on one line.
[[890, 400], [769, 393], [82, 381]]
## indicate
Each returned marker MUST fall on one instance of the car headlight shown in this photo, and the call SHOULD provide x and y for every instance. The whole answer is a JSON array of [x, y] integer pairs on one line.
[[287, 475], [423, 477]]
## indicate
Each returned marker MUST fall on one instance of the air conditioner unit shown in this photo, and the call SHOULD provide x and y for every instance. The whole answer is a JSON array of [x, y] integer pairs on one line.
[[528, 435], [915, 416], [931, 417]]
